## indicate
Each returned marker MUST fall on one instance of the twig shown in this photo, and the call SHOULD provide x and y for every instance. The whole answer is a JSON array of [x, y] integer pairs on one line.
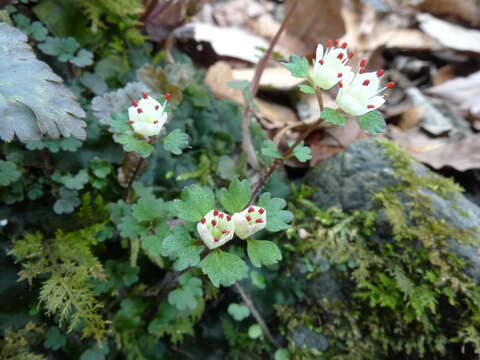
[[247, 144], [249, 303], [132, 179], [278, 162]]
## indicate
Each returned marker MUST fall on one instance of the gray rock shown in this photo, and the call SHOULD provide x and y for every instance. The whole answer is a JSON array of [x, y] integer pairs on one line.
[[304, 337], [351, 178]]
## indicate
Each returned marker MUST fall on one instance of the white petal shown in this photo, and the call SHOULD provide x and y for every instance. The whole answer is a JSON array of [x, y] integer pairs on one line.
[[133, 114], [146, 129], [319, 55], [242, 229], [349, 104], [205, 235]]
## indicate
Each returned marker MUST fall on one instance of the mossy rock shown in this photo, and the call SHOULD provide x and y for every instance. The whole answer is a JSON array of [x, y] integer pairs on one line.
[[390, 254]]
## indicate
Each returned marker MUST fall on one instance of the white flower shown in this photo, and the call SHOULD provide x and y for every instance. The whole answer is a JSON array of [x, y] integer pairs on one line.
[[249, 221], [330, 65], [147, 116], [215, 229], [360, 93]]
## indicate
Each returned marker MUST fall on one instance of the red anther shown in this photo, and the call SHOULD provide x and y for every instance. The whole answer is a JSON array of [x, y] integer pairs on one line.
[[214, 222], [339, 75], [248, 218], [225, 232], [321, 62], [371, 106], [366, 83], [380, 73], [216, 239], [340, 84], [145, 95], [390, 85], [361, 71], [131, 122], [203, 221], [139, 110], [135, 102], [221, 216], [329, 44], [215, 212], [155, 122], [157, 107], [335, 43], [251, 209], [363, 63], [261, 211], [229, 218], [351, 54], [340, 56], [344, 45], [168, 96], [259, 221]]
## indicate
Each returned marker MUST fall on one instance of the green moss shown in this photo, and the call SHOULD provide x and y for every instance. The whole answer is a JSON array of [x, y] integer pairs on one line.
[[404, 291]]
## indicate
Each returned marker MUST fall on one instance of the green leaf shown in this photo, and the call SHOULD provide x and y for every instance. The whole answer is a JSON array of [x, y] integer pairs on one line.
[[97, 352], [153, 244], [33, 99], [75, 182], [54, 339], [306, 89], [298, 66], [176, 142], [277, 218], [9, 173], [301, 152], [68, 201], [236, 197], [238, 312], [182, 248], [373, 122], [185, 297], [101, 168], [149, 208], [83, 58], [195, 202], [226, 168], [257, 279], [254, 331], [38, 31], [282, 354], [262, 252], [332, 116], [269, 149], [223, 268], [131, 143]]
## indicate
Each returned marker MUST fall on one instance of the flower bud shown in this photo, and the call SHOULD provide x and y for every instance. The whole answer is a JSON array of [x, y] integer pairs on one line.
[[147, 116], [215, 229], [249, 221]]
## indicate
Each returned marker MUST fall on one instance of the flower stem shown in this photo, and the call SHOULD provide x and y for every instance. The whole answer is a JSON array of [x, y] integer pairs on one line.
[[247, 144], [132, 179]]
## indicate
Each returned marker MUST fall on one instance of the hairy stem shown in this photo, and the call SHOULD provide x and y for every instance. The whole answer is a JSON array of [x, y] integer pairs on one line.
[[249, 303], [132, 179], [247, 144], [279, 162]]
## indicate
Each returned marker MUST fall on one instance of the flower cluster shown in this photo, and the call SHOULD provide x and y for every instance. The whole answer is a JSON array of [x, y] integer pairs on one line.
[[217, 228], [147, 115], [360, 91]]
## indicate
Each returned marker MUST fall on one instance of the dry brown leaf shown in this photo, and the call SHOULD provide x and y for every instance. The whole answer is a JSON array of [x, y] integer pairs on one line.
[[275, 116], [328, 142], [226, 41], [468, 10], [316, 21], [444, 74], [278, 78], [464, 92], [450, 35], [462, 155]]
